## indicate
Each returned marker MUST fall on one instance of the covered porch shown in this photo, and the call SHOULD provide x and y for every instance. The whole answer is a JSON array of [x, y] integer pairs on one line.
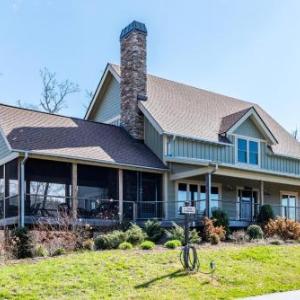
[[239, 193], [83, 193]]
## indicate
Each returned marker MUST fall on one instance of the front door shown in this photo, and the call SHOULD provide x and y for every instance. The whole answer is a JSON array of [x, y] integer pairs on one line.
[[247, 200]]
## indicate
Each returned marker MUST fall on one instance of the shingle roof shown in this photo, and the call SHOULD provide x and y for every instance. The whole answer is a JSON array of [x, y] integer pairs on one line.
[[64, 136], [188, 111]]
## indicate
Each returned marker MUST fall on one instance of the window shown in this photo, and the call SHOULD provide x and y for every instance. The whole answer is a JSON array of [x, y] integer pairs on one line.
[[247, 151], [288, 205]]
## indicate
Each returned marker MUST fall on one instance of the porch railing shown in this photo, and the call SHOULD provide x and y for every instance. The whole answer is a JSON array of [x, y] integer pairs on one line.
[[93, 208]]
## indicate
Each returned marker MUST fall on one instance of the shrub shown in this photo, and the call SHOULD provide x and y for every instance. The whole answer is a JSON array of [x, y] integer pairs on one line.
[[255, 232], [59, 251], [153, 230], [284, 228], [110, 240], [214, 239], [238, 236], [40, 251], [88, 244], [175, 233], [135, 235], [22, 243], [265, 214], [194, 237], [172, 244], [209, 228], [220, 218], [147, 245], [125, 246]]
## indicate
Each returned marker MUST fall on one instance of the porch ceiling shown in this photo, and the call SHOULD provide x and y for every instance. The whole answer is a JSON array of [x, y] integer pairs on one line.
[[257, 175]]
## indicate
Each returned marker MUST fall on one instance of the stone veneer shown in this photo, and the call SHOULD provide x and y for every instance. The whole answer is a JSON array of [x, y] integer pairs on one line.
[[133, 78]]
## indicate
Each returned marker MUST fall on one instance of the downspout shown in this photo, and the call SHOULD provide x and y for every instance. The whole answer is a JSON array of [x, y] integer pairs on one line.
[[22, 190]]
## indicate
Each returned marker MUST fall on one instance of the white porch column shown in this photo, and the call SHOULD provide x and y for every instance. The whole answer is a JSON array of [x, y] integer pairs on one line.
[[121, 210], [208, 192], [165, 195], [262, 192], [74, 191]]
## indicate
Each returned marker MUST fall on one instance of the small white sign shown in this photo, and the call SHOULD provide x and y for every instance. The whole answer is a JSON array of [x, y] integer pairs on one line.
[[188, 210]]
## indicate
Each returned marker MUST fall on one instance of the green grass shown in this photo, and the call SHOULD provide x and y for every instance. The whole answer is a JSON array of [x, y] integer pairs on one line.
[[137, 274]]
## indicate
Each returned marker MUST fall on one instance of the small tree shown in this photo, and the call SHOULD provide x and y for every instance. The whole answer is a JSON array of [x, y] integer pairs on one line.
[[265, 214], [220, 218]]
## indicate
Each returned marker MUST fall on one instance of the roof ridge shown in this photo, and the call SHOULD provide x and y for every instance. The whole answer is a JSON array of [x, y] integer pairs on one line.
[[52, 114]]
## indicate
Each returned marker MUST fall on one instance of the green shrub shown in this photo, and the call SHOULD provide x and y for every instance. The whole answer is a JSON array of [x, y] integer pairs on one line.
[[220, 218], [22, 243], [172, 244], [147, 245], [125, 246], [40, 251], [265, 214], [175, 233], [59, 251], [153, 230], [214, 239], [88, 244], [110, 240], [194, 237], [135, 235], [255, 232]]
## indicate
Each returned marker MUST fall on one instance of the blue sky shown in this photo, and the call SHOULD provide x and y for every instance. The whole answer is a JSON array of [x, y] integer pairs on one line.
[[246, 49]]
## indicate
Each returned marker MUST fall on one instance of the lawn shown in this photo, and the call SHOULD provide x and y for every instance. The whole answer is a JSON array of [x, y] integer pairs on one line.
[[134, 274]]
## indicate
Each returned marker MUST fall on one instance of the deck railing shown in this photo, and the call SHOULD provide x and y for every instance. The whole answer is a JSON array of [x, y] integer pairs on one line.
[[94, 208]]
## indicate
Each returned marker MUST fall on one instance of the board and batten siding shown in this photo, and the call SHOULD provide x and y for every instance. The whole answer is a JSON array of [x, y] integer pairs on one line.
[[186, 148], [109, 105], [4, 149], [153, 139]]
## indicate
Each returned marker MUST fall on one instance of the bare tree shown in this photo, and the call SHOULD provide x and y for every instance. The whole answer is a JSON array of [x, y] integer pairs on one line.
[[54, 92]]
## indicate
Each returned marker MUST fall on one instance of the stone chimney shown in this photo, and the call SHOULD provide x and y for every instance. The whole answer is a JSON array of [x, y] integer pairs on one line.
[[133, 85]]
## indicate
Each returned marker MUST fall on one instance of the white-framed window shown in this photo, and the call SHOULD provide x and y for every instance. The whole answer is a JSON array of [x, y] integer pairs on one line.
[[288, 204], [247, 151], [195, 192]]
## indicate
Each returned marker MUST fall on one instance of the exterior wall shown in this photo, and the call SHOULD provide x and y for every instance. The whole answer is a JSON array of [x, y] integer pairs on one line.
[[249, 129], [153, 139], [186, 148], [4, 150], [109, 106]]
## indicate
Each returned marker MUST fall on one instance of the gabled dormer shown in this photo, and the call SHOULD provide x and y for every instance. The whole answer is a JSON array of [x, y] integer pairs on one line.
[[248, 131]]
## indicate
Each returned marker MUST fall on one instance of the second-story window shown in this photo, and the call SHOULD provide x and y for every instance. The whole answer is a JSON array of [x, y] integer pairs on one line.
[[247, 151]]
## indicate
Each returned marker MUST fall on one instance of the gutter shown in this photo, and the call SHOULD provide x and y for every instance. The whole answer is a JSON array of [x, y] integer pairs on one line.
[[22, 190]]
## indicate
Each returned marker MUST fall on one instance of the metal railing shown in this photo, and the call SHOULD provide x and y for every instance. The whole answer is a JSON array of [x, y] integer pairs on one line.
[[51, 206]]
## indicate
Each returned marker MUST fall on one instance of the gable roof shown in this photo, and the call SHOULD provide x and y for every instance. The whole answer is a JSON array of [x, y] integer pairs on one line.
[[55, 135], [182, 110], [231, 122]]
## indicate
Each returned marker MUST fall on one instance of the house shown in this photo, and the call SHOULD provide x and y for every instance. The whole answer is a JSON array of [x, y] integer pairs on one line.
[[145, 147]]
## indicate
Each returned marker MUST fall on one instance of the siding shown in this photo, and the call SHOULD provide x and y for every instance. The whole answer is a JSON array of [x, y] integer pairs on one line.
[[249, 129], [109, 102], [201, 150], [4, 150], [276, 163], [153, 139]]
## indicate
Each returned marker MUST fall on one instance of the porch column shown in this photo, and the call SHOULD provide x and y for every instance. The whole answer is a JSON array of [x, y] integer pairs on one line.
[[208, 191], [74, 191], [121, 210], [165, 195], [262, 192]]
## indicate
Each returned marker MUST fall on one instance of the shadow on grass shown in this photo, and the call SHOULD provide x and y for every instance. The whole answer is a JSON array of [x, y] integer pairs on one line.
[[178, 273]]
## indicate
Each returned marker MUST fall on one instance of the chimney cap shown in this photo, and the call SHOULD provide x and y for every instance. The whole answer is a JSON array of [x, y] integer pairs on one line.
[[133, 26]]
